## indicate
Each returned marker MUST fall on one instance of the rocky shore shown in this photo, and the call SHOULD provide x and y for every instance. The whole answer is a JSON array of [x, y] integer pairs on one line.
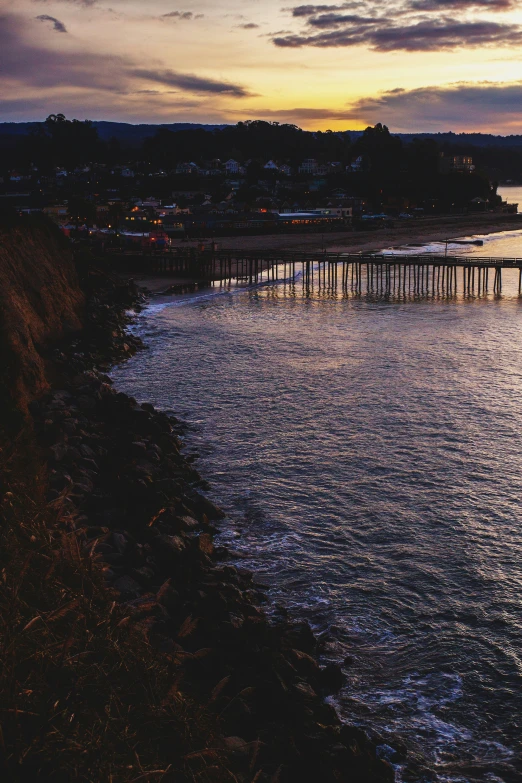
[[133, 649], [118, 469]]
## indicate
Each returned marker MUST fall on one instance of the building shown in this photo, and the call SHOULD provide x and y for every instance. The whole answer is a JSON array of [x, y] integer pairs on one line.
[[187, 168], [461, 163], [356, 165], [58, 213], [232, 167], [308, 166]]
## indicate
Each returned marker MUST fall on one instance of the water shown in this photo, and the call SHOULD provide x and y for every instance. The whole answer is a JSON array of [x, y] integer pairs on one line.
[[369, 455], [511, 193]]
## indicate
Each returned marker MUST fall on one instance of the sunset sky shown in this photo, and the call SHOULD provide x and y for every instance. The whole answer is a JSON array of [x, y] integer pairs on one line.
[[416, 65]]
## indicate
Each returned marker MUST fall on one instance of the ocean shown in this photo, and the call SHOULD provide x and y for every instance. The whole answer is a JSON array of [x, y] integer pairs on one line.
[[368, 453]]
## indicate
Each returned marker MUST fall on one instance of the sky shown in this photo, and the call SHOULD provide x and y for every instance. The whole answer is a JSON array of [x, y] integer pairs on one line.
[[415, 65]]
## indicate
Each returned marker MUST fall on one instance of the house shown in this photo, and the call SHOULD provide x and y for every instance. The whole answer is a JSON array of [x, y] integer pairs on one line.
[[461, 163], [128, 173], [308, 166], [170, 210], [232, 167], [286, 170], [58, 212], [356, 165], [187, 168], [271, 166], [16, 177]]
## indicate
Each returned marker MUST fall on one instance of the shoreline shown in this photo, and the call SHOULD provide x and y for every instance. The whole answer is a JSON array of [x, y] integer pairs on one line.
[[131, 504]]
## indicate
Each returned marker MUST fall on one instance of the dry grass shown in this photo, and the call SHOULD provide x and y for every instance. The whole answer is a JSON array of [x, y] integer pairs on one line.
[[83, 696]]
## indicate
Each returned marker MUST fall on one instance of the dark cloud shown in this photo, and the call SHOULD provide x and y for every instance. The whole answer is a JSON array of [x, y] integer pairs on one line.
[[57, 25], [29, 64], [191, 83], [311, 10], [183, 15], [333, 21], [458, 5], [407, 25], [424, 36], [249, 26], [85, 3], [462, 107]]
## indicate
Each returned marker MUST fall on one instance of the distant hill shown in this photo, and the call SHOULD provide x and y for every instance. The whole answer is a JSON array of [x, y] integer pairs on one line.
[[469, 139], [134, 135], [129, 135]]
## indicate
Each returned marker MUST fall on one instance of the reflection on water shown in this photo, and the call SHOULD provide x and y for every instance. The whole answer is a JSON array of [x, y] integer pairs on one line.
[[368, 452]]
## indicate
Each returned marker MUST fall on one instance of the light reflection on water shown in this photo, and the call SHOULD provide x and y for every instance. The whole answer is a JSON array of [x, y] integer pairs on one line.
[[368, 452]]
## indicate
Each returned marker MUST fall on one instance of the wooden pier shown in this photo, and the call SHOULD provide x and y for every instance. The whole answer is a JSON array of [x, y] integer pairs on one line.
[[396, 274]]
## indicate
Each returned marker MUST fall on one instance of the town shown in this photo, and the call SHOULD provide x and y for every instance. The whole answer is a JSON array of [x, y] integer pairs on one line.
[[252, 178]]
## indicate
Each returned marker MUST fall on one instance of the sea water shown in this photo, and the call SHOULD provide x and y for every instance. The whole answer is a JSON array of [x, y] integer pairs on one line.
[[368, 453]]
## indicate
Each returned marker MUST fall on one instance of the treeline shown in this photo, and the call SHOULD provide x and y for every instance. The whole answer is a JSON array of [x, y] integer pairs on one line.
[[390, 168]]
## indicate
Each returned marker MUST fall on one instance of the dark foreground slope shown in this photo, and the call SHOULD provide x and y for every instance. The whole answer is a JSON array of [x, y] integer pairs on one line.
[[129, 649]]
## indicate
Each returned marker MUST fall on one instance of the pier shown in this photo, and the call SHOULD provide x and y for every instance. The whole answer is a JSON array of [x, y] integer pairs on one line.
[[396, 274]]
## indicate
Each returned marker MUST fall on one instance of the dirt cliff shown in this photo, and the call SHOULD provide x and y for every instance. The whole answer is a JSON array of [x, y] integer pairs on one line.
[[40, 303]]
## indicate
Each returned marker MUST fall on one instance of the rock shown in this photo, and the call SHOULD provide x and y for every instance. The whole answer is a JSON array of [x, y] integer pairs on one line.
[[331, 679], [205, 506], [354, 736], [86, 403], [59, 451], [128, 587], [306, 690], [237, 745], [120, 543], [299, 636], [205, 544], [168, 597], [168, 547]]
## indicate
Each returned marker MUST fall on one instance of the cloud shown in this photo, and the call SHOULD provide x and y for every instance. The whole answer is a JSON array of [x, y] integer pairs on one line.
[[460, 5], [183, 15], [311, 10], [85, 3], [493, 106], [341, 20], [249, 26], [192, 83], [57, 25], [26, 63], [424, 36], [403, 25]]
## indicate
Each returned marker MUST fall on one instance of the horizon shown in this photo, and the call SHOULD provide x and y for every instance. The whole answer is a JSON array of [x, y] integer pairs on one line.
[[409, 64], [393, 132]]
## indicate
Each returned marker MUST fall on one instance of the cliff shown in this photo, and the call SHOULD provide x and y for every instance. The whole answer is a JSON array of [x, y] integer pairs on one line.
[[130, 648], [40, 303]]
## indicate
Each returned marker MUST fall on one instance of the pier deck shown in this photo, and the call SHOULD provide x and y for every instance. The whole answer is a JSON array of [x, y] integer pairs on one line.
[[399, 272]]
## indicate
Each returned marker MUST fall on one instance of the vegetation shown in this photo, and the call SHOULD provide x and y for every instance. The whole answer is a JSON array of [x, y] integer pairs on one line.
[[84, 696], [391, 172]]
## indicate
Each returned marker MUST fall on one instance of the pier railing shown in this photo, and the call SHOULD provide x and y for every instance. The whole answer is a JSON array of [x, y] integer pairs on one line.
[[420, 272]]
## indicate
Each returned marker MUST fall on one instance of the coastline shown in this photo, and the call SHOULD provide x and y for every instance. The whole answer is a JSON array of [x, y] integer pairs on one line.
[[130, 529], [121, 488]]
